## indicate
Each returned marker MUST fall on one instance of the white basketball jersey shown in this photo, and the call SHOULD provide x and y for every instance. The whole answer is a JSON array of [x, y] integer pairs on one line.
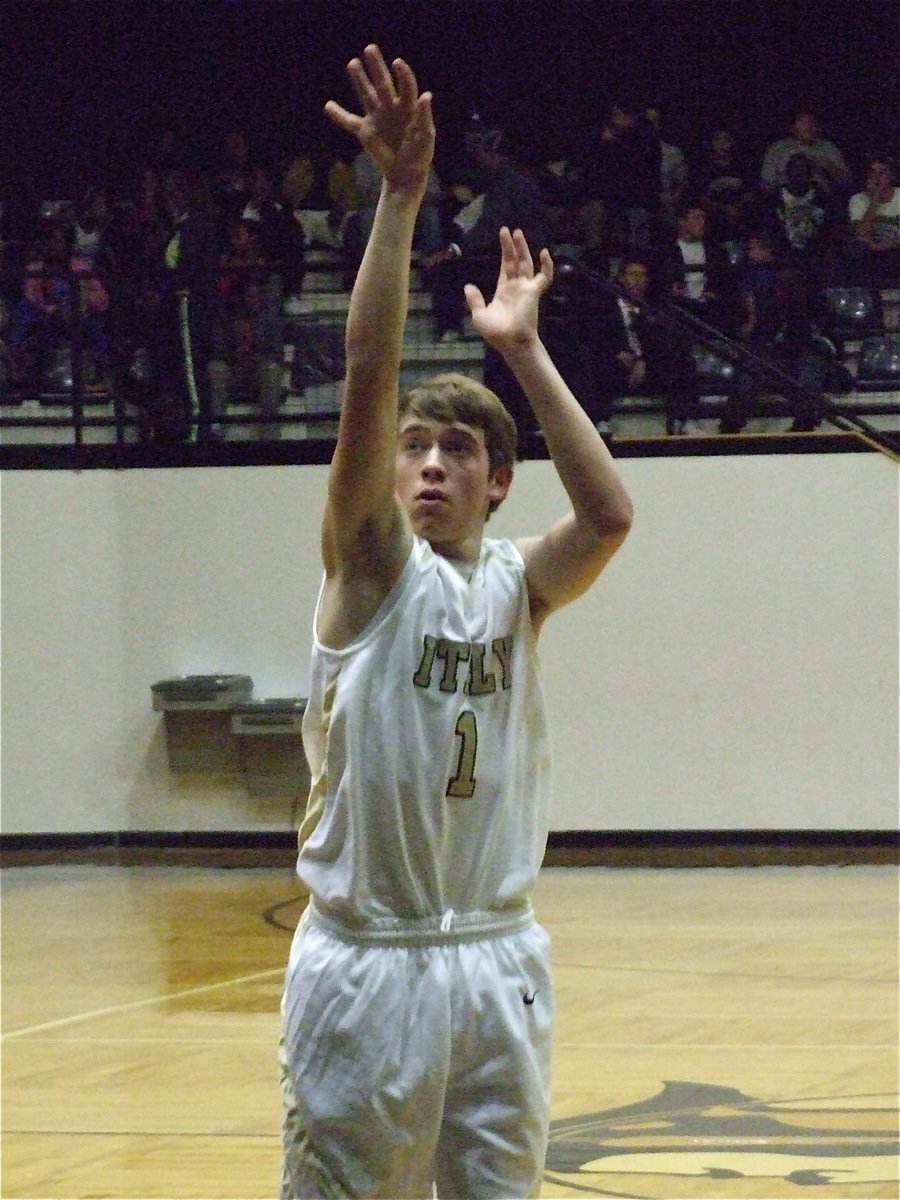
[[428, 748]]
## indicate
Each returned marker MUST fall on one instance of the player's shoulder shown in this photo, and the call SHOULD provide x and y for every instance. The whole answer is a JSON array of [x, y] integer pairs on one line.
[[504, 552]]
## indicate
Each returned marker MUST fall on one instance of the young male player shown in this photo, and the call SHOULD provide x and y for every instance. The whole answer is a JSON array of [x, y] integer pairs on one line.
[[418, 998]]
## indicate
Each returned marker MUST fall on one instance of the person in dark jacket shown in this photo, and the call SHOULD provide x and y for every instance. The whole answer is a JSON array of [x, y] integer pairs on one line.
[[502, 195], [619, 349], [625, 173], [187, 312], [776, 328], [694, 272]]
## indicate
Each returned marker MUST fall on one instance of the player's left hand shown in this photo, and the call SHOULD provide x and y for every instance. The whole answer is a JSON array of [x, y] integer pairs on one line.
[[511, 318]]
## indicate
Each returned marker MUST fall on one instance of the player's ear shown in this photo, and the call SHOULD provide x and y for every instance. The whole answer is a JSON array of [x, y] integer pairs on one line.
[[499, 483]]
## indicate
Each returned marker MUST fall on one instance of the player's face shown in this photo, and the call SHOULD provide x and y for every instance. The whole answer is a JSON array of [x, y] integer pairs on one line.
[[444, 479]]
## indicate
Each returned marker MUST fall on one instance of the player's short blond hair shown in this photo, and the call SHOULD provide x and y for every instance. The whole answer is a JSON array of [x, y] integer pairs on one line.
[[456, 397]]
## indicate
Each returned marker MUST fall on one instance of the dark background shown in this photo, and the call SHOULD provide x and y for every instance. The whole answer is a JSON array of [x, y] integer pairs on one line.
[[87, 83]]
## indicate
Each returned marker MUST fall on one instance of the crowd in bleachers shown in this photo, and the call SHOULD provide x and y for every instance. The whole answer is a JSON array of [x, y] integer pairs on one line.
[[197, 268]]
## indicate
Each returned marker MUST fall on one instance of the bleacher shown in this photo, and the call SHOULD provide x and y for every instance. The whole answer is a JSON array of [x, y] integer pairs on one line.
[[313, 371]]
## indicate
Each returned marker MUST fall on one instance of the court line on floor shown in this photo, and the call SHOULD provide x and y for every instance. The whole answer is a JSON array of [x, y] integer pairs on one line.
[[113, 1009], [725, 975]]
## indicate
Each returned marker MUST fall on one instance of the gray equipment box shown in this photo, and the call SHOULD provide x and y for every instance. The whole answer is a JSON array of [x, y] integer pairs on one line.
[[197, 717], [270, 747], [201, 692]]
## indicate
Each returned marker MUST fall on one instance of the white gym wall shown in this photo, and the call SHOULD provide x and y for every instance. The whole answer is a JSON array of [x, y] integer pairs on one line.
[[735, 668]]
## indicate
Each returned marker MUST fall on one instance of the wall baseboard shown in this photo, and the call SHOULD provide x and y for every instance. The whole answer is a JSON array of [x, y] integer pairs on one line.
[[569, 848]]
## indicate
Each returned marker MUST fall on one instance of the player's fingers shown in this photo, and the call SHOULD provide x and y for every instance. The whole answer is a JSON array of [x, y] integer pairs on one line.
[[427, 110], [379, 75], [362, 85], [421, 128], [405, 82], [523, 254], [509, 259], [474, 298], [347, 121], [547, 267]]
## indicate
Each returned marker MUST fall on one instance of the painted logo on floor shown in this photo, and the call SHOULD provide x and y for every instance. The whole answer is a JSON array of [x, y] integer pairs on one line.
[[719, 1133]]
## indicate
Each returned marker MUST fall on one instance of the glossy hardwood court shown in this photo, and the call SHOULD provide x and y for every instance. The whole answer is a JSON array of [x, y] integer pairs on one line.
[[721, 1033]]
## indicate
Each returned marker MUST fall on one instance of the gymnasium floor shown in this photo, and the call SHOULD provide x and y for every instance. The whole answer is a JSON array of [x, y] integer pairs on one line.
[[721, 1033]]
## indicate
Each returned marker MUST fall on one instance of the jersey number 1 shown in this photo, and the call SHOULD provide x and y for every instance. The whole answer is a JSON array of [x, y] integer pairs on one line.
[[462, 785]]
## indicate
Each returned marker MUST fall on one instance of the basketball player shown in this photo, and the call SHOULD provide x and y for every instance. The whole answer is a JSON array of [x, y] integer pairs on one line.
[[418, 999]]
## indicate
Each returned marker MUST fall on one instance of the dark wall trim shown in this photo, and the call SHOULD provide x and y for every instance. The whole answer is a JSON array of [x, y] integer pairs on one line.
[[310, 451], [576, 848]]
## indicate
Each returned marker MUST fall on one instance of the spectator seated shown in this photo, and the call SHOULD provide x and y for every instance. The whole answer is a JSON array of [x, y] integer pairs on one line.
[[878, 364], [246, 362], [847, 313]]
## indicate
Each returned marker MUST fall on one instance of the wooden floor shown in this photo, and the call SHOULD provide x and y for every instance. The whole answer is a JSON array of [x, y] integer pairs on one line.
[[721, 1033]]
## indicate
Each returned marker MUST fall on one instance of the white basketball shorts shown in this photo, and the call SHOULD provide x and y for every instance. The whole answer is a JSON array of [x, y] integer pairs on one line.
[[410, 1065]]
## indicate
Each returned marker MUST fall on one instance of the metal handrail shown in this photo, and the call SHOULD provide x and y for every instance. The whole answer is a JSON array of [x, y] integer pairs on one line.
[[679, 320]]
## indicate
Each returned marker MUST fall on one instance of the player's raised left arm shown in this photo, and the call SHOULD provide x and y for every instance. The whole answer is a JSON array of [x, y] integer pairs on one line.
[[563, 562]]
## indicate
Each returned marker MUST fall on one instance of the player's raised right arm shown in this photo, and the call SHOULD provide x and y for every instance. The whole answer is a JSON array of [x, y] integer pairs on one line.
[[363, 526]]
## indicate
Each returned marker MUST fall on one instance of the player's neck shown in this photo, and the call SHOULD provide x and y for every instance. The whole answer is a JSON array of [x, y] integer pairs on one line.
[[464, 556]]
